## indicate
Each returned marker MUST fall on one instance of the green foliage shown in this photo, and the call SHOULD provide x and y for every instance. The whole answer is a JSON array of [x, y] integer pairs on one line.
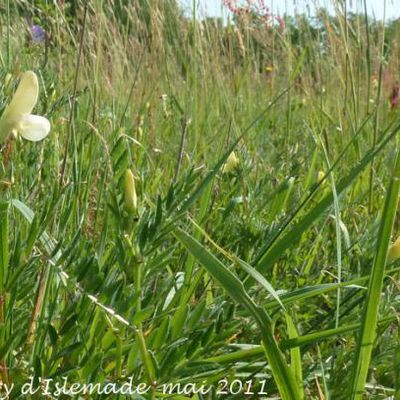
[[266, 273]]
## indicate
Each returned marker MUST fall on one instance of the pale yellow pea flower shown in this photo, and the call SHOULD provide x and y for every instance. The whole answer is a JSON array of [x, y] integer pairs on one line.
[[231, 163], [17, 117]]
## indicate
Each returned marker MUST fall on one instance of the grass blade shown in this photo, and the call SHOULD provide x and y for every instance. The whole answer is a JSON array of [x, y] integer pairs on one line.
[[367, 333], [295, 354], [282, 373], [3, 244]]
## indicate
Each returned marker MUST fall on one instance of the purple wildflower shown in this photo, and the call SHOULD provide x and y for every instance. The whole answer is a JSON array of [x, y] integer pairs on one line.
[[38, 34]]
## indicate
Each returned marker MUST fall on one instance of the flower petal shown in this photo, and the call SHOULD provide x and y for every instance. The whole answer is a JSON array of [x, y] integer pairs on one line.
[[25, 96], [34, 127]]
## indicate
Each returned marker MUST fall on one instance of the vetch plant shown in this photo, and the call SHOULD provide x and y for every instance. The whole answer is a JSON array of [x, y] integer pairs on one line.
[[17, 117]]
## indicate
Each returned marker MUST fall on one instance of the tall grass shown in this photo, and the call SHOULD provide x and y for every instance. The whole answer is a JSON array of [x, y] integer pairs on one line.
[[267, 274]]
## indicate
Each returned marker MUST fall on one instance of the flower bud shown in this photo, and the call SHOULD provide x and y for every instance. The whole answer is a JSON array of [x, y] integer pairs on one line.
[[231, 163], [394, 251], [130, 197]]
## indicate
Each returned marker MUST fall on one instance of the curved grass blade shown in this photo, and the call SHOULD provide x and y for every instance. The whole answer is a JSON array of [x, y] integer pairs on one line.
[[252, 272], [282, 373]]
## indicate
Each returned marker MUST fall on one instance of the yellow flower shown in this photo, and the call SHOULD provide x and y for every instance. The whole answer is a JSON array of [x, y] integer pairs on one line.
[[231, 163], [130, 197], [394, 250], [17, 116], [321, 176]]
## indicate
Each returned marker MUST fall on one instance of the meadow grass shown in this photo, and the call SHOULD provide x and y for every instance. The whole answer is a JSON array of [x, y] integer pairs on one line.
[[267, 271]]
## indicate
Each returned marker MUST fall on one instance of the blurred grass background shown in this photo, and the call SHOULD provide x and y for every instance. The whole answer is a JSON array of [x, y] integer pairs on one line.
[[140, 85]]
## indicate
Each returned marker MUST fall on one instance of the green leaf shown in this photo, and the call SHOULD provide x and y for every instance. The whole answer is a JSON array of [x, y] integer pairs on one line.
[[295, 354]]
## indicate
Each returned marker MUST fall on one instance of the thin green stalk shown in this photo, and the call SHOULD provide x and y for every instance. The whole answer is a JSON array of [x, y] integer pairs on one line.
[[8, 36], [43, 298], [338, 233], [73, 98], [376, 121], [147, 363], [4, 259], [37, 309], [396, 365], [367, 54]]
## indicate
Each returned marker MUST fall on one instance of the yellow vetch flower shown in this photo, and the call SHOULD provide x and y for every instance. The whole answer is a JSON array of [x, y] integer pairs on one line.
[[17, 116], [130, 196], [231, 163], [394, 250]]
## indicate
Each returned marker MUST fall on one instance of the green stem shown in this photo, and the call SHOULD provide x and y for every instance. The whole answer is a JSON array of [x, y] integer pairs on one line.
[[147, 363], [4, 260], [8, 36]]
